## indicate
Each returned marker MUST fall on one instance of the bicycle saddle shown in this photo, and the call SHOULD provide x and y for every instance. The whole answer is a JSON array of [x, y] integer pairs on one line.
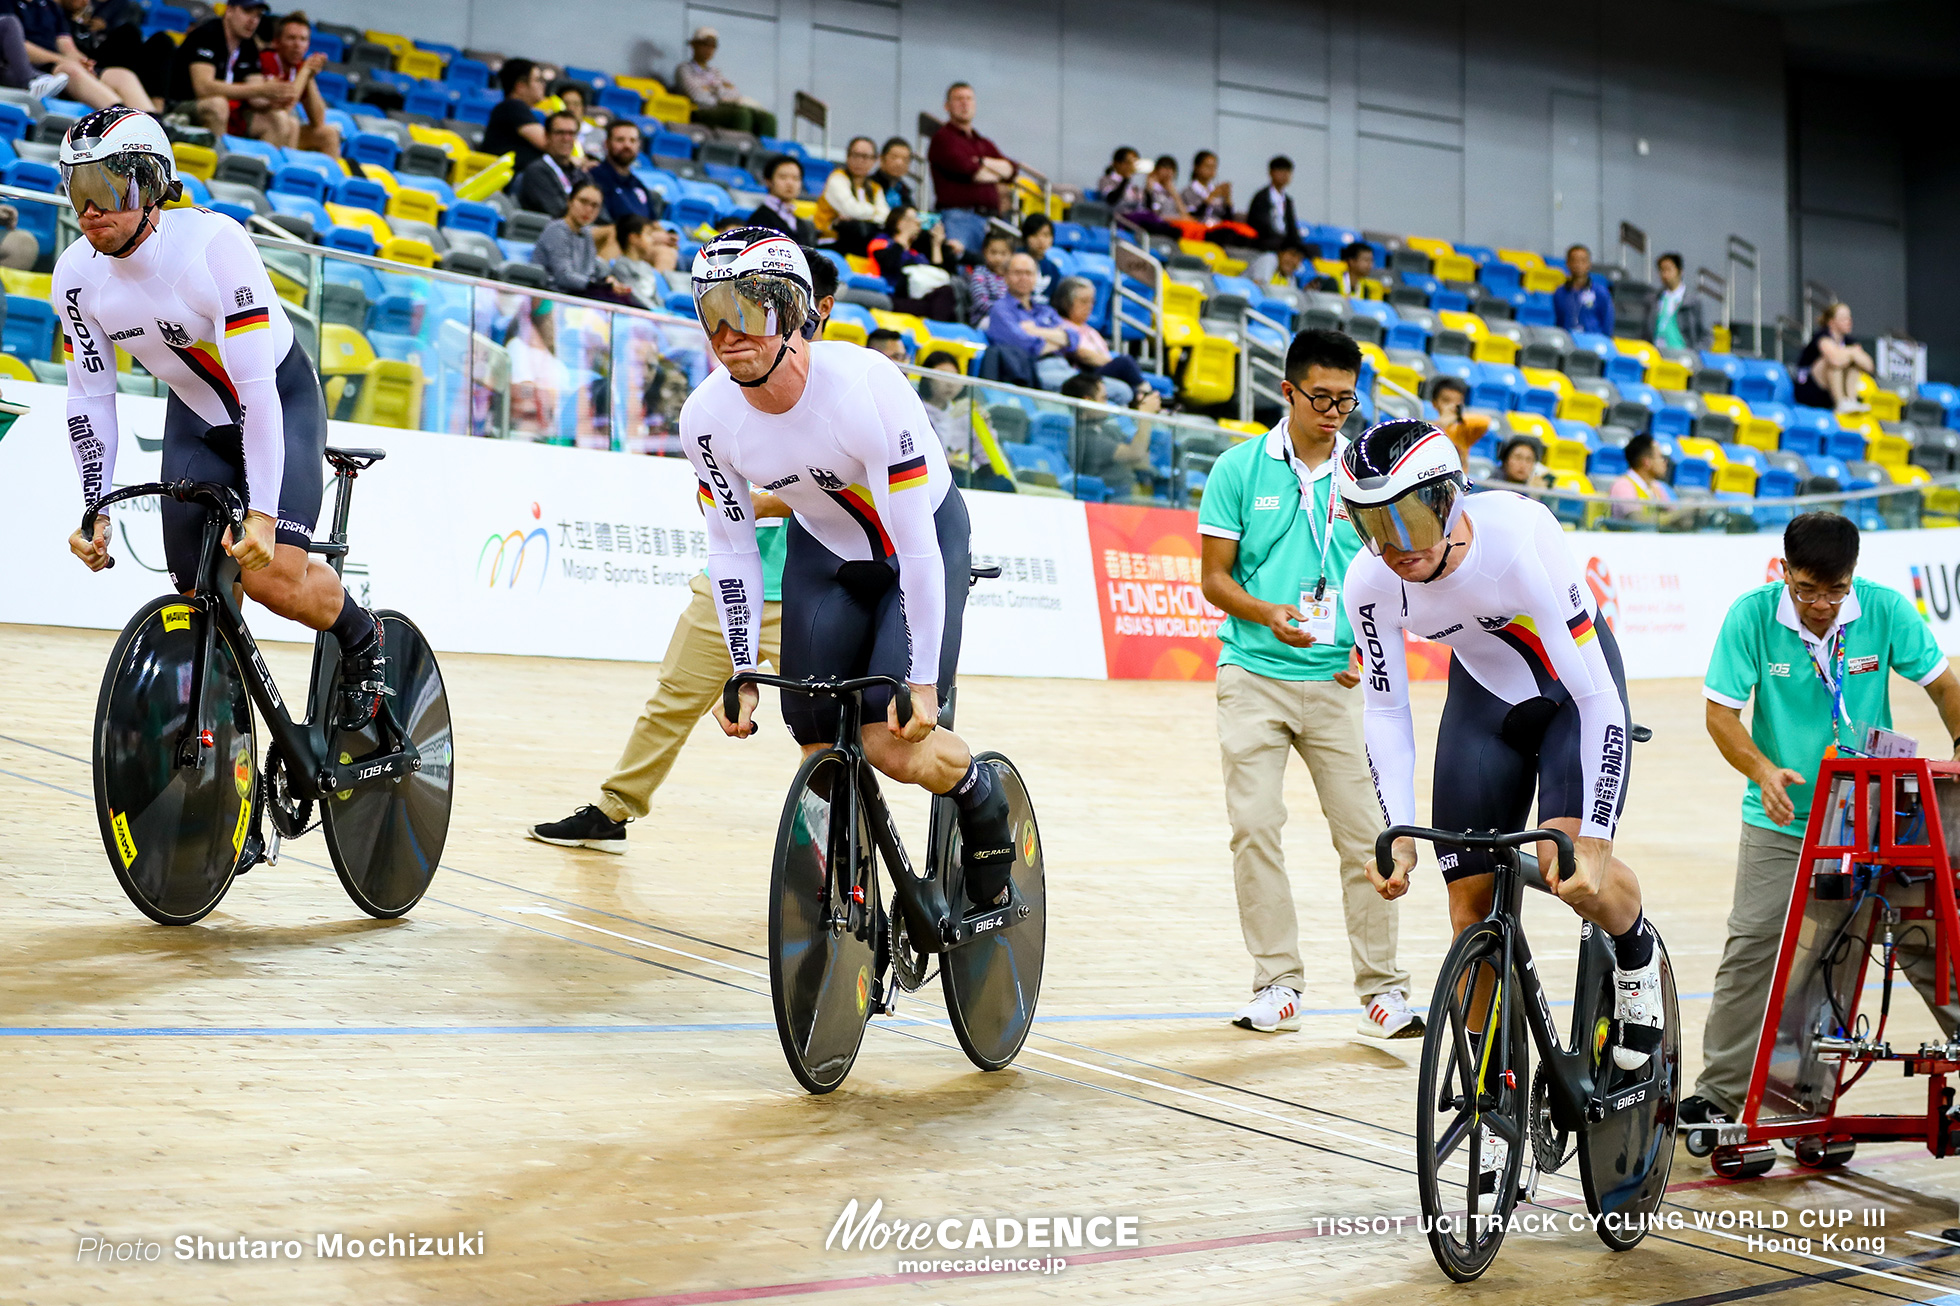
[[354, 460]]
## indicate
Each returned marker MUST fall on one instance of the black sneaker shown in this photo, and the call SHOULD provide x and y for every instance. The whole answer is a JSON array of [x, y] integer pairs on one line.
[[1698, 1110], [588, 827], [987, 849], [363, 681]]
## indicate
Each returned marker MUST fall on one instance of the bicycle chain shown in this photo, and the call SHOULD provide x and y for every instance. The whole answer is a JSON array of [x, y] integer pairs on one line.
[[1551, 1145]]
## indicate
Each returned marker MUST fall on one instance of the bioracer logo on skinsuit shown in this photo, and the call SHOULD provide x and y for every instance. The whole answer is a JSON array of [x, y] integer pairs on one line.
[[1612, 765], [735, 606], [88, 452], [1377, 658], [725, 495]]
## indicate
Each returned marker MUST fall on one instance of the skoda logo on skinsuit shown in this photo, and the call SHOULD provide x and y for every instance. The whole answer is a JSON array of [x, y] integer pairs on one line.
[[506, 558], [1599, 579]]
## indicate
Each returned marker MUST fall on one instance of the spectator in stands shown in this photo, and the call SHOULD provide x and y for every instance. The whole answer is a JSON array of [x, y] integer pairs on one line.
[[1101, 449], [1357, 275], [1205, 198], [646, 250], [49, 40], [514, 127], [1677, 314], [716, 100], [1466, 430], [968, 170], [109, 33], [1160, 192], [949, 404], [1827, 370], [921, 280], [1645, 481], [1582, 304], [1075, 300], [783, 175], [852, 208], [567, 254], [1271, 214], [1772, 638], [624, 193], [288, 62], [987, 279], [1279, 267], [1517, 464], [1024, 329], [1038, 238], [889, 343], [17, 70], [894, 175], [546, 185], [575, 98], [1120, 187]]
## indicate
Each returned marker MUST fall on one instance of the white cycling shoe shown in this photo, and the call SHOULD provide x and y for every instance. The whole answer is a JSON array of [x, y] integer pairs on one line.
[[1497, 1155], [1638, 1014]]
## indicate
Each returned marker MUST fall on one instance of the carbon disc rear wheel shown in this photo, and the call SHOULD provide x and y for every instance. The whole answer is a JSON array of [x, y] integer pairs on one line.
[[993, 983]]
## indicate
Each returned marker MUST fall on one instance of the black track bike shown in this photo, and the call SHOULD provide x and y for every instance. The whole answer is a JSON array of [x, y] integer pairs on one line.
[[1478, 1084], [836, 950], [179, 789]]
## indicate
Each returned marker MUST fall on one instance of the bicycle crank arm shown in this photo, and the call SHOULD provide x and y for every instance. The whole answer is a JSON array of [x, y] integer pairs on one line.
[[340, 777], [957, 931]]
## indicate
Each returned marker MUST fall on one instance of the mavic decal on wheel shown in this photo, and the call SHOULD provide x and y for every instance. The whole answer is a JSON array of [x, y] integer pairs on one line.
[[125, 844]]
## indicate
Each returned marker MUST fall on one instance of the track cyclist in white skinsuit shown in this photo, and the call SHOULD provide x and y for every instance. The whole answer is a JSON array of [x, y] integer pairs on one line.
[[185, 294], [876, 568], [1537, 696]]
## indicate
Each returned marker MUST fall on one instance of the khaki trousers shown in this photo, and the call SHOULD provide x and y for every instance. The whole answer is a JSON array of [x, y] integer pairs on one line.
[[1765, 877], [1261, 721], [696, 668]]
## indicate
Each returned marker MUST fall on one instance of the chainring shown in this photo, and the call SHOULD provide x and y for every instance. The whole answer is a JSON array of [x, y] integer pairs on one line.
[[291, 816], [1552, 1146], [910, 967]]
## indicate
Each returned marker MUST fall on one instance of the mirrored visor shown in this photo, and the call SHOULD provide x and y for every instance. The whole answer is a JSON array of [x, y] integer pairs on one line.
[[1409, 524], [729, 302], [114, 185]]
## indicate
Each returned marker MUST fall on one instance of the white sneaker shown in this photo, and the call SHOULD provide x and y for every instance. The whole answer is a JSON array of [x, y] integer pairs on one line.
[[47, 84], [1387, 1015], [1274, 1007], [1637, 1011]]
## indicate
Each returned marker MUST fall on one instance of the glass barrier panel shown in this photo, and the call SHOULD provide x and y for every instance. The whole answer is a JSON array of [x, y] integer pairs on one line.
[[656, 365]]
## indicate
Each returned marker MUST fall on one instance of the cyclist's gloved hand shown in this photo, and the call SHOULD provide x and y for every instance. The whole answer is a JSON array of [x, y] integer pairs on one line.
[[925, 714], [94, 552], [744, 725], [254, 551], [1397, 883]]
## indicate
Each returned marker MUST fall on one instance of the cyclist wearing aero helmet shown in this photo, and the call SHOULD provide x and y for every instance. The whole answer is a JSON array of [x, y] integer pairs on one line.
[[185, 294], [1537, 696], [876, 567]]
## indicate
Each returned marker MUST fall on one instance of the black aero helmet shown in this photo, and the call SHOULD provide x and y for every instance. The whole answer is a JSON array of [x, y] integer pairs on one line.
[[1403, 484]]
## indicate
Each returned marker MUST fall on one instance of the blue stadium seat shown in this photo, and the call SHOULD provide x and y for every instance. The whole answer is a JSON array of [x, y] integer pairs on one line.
[[1496, 385], [670, 145], [15, 124], [395, 314], [30, 329], [436, 186], [168, 18], [1847, 445], [1748, 454], [352, 239], [1693, 474], [272, 154], [1539, 400], [371, 147], [1534, 309], [1763, 381], [1672, 422], [360, 193], [236, 212], [1455, 365], [401, 82], [621, 101], [736, 178], [475, 106], [1502, 278], [1607, 462], [1824, 464], [333, 87], [431, 98], [1481, 255], [1775, 483], [328, 44], [38, 220], [300, 206], [590, 76], [326, 165], [467, 74], [1624, 368], [1449, 301], [1578, 432], [448, 52]]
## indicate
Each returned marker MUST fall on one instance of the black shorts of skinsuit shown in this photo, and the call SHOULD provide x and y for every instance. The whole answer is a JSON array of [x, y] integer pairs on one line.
[[844, 619], [195, 450], [1490, 754]]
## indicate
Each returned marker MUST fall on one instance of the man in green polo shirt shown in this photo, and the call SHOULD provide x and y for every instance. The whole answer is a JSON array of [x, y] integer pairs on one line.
[[1276, 543], [1795, 646]]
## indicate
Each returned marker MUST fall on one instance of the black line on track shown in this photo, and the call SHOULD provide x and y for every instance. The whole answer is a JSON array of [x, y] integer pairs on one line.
[[1797, 1280], [1801, 1279], [28, 743], [600, 911]]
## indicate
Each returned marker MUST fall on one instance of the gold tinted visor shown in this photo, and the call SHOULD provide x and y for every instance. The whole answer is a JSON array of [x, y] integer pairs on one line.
[[726, 303], [111, 185], [1408, 524]]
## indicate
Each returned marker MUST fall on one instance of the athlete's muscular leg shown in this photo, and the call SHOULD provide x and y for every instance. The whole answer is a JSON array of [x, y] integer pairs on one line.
[[936, 763], [298, 587]]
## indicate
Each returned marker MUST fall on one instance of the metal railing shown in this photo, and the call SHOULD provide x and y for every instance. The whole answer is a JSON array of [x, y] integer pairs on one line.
[[1129, 251], [1633, 238], [1742, 256], [808, 108], [1894, 507], [1262, 364]]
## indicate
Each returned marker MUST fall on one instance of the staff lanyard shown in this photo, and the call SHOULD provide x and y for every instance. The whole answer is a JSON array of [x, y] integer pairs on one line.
[[1833, 685], [1322, 539]]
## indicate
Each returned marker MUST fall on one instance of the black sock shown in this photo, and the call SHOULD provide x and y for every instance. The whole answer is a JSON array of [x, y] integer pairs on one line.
[[1635, 948], [354, 628], [975, 787]]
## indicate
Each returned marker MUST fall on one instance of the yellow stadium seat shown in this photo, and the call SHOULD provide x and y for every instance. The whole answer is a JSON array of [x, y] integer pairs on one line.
[[1582, 407], [861, 265], [1180, 331], [670, 108], [1468, 323], [1639, 349], [391, 395], [1429, 245], [1735, 478], [1212, 375], [488, 179], [425, 65], [906, 324], [343, 349], [13, 369], [379, 175], [1523, 423], [1548, 378], [415, 205], [35, 285], [401, 249], [1864, 423], [644, 85], [1565, 455], [1665, 375], [1230, 267], [1180, 300], [397, 45], [1728, 406], [286, 286], [1375, 355], [1910, 475], [349, 215], [1758, 433], [1889, 450], [447, 141], [1406, 378], [1523, 260], [807, 209], [1886, 405], [849, 332], [1495, 349], [1203, 249], [965, 351], [1580, 483], [1691, 446], [1454, 267], [1543, 280], [1329, 267], [197, 160], [1239, 426]]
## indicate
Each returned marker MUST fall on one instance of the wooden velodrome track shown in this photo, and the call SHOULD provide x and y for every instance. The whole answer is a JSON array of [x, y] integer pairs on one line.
[[574, 1054]]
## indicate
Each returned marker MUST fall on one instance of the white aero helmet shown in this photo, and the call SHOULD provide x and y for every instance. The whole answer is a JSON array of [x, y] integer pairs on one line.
[[1403, 484], [118, 159], [756, 280]]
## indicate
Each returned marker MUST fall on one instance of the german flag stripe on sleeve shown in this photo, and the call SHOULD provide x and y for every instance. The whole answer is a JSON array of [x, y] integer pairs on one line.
[[707, 495], [252, 319], [67, 348], [907, 474], [1581, 627]]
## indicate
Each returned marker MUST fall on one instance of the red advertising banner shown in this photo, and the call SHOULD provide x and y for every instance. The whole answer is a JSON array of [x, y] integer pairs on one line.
[[1157, 623]]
